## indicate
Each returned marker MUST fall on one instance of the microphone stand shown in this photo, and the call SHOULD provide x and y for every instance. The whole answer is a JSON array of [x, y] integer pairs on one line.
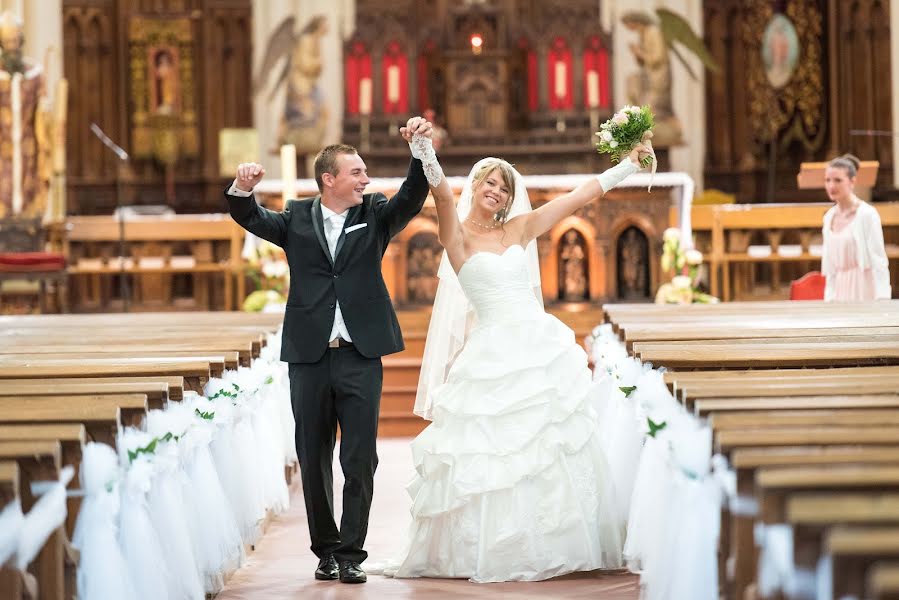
[[123, 157]]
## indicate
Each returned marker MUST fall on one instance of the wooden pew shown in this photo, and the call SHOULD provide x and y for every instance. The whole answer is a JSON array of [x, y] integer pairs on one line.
[[883, 581], [676, 356], [102, 416], [14, 584], [812, 514], [41, 461], [705, 407], [71, 438], [195, 372], [244, 351], [157, 392], [855, 549], [89, 385]]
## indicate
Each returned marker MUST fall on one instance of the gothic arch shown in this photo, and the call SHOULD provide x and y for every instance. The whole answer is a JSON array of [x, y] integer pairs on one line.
[[549, 261]]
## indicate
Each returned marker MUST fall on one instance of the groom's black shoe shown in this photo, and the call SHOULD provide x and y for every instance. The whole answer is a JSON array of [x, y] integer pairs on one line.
[[351, 572], [327, 568]]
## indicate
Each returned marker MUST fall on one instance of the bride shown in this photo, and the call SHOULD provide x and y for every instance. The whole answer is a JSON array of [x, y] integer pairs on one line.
[[511, 480]]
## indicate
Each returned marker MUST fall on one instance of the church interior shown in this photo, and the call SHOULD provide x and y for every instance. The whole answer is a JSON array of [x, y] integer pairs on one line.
[[743, 403]]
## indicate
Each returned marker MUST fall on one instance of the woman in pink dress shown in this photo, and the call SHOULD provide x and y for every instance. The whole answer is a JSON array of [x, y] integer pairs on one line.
[[854, 259]]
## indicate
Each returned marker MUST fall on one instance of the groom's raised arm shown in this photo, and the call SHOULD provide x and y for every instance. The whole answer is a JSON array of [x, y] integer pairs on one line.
[[266, 224]]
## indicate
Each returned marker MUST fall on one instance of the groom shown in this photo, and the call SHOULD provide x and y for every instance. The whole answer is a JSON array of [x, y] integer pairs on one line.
[[338, 324]]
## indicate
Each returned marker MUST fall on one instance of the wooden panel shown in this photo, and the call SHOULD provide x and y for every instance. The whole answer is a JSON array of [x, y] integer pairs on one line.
[[97, 51]]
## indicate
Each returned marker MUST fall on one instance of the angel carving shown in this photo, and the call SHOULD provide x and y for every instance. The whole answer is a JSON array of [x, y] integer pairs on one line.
[[304, 119], [651, 84]]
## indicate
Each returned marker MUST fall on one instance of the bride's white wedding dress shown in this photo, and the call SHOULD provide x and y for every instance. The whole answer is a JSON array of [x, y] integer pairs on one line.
[[511, 479]]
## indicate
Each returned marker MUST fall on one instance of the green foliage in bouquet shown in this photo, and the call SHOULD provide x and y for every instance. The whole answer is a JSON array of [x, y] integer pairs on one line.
[[626, 129]]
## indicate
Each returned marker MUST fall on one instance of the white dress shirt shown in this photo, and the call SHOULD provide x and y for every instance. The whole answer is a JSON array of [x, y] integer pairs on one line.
[[333, 224]]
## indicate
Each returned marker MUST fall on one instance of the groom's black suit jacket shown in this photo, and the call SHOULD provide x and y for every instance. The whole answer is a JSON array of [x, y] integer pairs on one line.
[[353, 277]]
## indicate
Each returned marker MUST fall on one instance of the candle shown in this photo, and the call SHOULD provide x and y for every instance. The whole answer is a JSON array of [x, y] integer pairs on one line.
[[288, 172], [59, 125], [393, 84], [561, 87], [592, 89], [365, 96]]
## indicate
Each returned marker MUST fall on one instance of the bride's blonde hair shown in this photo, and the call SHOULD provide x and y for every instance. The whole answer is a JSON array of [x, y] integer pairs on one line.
[[507, 172]]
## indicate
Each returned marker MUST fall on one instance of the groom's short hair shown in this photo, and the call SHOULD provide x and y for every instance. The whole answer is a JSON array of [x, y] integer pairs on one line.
[[326, 161]]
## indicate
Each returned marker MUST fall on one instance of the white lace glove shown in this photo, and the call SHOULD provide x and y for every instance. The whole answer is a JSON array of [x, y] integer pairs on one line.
[[423, 149], [612, 177]]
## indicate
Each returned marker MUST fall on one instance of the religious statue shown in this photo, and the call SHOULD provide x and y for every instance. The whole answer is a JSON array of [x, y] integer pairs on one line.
[[574, 267], [22, 193], [424, 261], [651, 84], [164, 82], [632, 265], [305, 115]]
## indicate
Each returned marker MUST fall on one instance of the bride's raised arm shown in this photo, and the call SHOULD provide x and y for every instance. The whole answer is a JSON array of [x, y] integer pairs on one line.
[[449, 229], [544, 218]]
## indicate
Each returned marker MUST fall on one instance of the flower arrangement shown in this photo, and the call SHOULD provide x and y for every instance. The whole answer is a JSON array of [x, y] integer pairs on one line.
[[267, 267], [628, 127], [683, 266]]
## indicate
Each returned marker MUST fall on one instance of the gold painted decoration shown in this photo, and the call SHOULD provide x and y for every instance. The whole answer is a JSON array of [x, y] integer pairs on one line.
[[164, 119], [785, 73]]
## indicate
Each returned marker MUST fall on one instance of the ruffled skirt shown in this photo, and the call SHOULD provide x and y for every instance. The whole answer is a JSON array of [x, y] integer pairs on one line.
[[511, 477]]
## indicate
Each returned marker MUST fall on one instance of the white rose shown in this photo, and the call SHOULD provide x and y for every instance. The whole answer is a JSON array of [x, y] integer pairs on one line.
[[672, 234], [694, 257], [275, 269], [681, 282], [606, 136], [613, 144], [620, 118]]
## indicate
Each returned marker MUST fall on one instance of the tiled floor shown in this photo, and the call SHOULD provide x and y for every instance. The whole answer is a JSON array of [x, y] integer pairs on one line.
[[282, 565]]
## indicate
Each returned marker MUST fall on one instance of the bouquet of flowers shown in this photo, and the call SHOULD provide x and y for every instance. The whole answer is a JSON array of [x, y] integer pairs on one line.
[[628, 127], [683, 266]]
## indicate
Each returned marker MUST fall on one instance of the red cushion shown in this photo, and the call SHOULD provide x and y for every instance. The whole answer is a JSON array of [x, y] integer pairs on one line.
[[32, 261], [808, 287]]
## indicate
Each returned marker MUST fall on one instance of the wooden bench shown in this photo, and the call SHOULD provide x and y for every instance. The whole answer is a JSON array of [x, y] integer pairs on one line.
[[195, 372], [71, 438], [149, 385], [157, 392], [854, 550], [883, 581], [101, 415], [41, 461]]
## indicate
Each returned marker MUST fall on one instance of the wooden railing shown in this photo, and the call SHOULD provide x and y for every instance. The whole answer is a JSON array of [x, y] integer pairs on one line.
[[736, 239]]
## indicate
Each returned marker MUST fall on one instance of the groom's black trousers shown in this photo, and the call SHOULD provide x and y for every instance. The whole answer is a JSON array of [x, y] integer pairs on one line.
[[343, 388]]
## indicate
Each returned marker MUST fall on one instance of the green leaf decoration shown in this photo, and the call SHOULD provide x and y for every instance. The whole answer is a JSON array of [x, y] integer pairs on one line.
[[223, 393], [148, 449], [205, 415], [269, 380], [654, 427], [627, 390]]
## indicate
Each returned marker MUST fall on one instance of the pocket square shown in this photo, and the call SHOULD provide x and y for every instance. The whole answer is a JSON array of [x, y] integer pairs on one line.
[[355, 227]]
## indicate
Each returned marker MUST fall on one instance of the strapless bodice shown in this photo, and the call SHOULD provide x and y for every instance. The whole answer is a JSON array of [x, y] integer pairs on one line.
[[498, 285]]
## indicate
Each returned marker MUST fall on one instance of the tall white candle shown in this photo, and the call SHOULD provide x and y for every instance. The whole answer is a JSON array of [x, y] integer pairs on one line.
[[393, 84], [592, 89], [365, 96], [288, 172], [561, 86]]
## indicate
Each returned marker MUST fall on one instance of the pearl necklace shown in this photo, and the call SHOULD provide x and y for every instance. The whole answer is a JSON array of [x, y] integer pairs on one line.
[[481, 225]]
